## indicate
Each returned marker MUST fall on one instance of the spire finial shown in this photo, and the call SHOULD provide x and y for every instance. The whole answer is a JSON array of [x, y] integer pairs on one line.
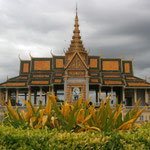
[[76, 9]]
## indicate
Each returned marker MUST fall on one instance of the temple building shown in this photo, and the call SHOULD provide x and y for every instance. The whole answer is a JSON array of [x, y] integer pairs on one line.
[[74, 74]]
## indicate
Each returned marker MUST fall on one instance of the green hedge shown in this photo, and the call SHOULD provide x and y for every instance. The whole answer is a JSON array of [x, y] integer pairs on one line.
[[44, 139]]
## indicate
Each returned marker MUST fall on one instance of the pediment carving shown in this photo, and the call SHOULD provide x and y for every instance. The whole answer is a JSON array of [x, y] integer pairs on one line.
[[76, 73], [76, 64]]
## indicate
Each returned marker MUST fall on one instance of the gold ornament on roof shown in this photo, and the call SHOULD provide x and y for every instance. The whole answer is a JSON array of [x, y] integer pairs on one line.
[[76, 42]]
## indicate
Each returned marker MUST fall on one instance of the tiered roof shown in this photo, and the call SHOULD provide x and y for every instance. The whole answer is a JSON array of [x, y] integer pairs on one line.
[[101, 71]]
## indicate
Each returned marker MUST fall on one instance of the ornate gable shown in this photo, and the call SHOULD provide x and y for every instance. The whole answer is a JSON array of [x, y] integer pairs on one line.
[[76, 67], [76, 63]]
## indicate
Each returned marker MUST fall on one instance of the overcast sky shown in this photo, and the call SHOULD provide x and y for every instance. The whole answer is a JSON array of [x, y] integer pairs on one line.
[[114, 28]]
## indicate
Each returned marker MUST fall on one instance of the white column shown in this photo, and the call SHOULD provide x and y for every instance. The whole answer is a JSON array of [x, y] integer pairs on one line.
[[112, 93], [87, 88], [65, 86], [35, 95], [146, 98], [17, 93], [123, 94], [41, 94], [65, 89], [100, 92], [6, 96], [135, 95], [29, 93]]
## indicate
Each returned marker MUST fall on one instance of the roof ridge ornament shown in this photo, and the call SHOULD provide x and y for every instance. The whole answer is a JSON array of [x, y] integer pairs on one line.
[[19, 57], [89, 51], [101, 53], [30, 54], [132, 58], [52, 53], [64, 51]]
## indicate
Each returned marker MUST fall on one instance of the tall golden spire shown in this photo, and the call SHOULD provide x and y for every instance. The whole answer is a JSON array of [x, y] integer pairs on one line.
[[76, 42]]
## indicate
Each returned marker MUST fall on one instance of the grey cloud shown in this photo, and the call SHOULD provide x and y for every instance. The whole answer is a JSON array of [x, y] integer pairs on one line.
[[118, 28]]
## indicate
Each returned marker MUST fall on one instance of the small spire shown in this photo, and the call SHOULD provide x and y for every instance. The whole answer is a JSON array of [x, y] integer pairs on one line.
[[89, 51]]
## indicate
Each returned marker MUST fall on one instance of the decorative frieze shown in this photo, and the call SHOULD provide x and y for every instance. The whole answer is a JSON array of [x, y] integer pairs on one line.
[[113, 82], [76, 73], [14, 84], [26, 67], [59, 63], [110, 66], [42, 65], [127, 67], [39, 82]]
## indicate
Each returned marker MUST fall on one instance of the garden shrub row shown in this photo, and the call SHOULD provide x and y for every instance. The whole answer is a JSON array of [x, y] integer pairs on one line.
[[78, 115], [44, 139]]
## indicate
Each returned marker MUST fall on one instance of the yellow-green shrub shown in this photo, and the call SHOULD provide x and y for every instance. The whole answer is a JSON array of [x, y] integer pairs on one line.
[[108, 118], [12, 138], [77, 116]]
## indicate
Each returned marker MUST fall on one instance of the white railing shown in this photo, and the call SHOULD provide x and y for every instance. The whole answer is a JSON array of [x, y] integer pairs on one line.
[[129, 107]]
